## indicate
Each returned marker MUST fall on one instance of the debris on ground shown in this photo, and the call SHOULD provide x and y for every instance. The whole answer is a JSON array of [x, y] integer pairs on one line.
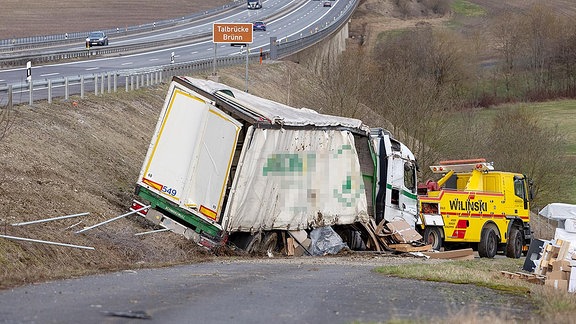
[[551, 261], [462, 254], [129, 314]]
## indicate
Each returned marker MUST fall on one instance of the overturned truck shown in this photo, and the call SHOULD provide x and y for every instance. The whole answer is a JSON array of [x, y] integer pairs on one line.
[[227, 166]]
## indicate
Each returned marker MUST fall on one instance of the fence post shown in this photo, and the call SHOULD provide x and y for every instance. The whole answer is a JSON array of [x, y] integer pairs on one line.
[[10, 94], [66, 96], [30, 87], [109, 83], [126, 83], [96, 84], [115, 82], [81, 87], [50, 91], [131, 82]]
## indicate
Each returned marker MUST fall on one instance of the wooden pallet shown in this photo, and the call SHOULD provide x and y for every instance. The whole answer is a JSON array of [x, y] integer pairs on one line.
[[536, 279], [405, 247]]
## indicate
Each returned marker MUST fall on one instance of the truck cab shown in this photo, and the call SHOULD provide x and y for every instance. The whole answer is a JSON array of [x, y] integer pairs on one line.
[[395, 187]]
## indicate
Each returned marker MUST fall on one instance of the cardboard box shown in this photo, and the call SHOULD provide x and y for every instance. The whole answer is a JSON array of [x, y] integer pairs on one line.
[[402, 232], [557, 275], [557, 284], [561, 265]]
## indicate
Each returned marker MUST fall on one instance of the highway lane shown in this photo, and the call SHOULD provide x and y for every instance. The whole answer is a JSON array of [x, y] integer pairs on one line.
[[308, 18]]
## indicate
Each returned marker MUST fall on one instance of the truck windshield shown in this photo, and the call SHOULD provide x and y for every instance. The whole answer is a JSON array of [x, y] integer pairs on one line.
[[519, 187]]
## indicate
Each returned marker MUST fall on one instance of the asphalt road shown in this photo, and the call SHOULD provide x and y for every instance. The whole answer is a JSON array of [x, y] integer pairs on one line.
[[298, 290]]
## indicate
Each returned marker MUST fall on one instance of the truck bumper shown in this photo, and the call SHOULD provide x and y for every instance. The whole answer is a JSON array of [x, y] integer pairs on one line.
[[165, 214]]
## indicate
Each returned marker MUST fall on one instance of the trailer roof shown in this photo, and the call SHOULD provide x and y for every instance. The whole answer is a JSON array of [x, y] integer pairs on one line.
[[275, 112]]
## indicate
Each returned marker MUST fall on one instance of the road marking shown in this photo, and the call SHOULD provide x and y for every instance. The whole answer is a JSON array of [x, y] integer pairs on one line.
[[49, 74], [90, 69], [154, 59], [127, 63]]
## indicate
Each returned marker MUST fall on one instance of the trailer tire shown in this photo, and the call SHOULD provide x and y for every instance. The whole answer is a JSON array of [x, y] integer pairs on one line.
[[433, 236], [269, 244], [488, 245], [254, 243], [514, 244]]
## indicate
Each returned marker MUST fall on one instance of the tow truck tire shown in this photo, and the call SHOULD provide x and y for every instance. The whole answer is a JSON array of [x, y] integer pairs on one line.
[[433, 236], [514, 244], [488, 245]]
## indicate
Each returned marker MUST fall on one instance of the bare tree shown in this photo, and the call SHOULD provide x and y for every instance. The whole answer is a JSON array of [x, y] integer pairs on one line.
[[509, 41], [345, 83], [541, 27], [519, 142], [564, 59], [428, 53], [422, 75]]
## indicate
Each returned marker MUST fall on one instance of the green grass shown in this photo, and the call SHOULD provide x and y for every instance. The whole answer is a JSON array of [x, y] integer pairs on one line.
[[480, 272], [560, 114], [468, 9]]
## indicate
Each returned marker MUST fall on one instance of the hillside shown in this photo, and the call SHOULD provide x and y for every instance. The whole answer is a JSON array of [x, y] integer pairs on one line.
[[84, 156]]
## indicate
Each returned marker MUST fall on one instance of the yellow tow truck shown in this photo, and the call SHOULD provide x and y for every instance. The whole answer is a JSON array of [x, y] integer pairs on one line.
[[476, 206]]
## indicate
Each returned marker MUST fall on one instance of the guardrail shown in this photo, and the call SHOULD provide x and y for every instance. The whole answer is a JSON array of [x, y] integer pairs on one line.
[[99, 84]]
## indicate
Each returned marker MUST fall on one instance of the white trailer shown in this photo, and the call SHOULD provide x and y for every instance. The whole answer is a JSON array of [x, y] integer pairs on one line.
[[226, 165]]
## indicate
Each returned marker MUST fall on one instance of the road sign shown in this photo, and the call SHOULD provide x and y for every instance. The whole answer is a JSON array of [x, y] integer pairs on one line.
[[232, 33]]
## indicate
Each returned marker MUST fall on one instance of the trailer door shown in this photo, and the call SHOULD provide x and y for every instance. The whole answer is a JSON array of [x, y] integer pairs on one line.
[[190, 153]]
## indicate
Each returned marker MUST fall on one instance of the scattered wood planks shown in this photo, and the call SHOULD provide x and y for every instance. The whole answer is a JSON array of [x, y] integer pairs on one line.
[[532, 278], [462, 254], [405, 247]]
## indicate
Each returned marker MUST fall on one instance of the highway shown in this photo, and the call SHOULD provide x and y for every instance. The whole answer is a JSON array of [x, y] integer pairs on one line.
[[290, 20]]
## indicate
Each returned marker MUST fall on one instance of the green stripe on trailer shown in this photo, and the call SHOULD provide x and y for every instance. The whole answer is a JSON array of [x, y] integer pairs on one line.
[[198, 225]]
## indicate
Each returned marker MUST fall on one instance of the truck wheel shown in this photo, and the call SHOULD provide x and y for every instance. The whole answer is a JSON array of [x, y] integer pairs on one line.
[[433, 237], [514, 245], [254, 243], [269, 244], [488, 245]]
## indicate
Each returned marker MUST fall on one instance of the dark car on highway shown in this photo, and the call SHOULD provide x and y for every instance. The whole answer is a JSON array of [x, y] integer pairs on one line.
[[97, 38], [259, 25]]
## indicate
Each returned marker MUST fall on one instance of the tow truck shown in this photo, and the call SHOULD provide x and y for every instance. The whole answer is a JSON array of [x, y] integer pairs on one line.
[[473, 205]]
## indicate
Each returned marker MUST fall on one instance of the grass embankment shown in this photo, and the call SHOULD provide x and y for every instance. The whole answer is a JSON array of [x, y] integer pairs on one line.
[[550, 305], [468, 9]]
